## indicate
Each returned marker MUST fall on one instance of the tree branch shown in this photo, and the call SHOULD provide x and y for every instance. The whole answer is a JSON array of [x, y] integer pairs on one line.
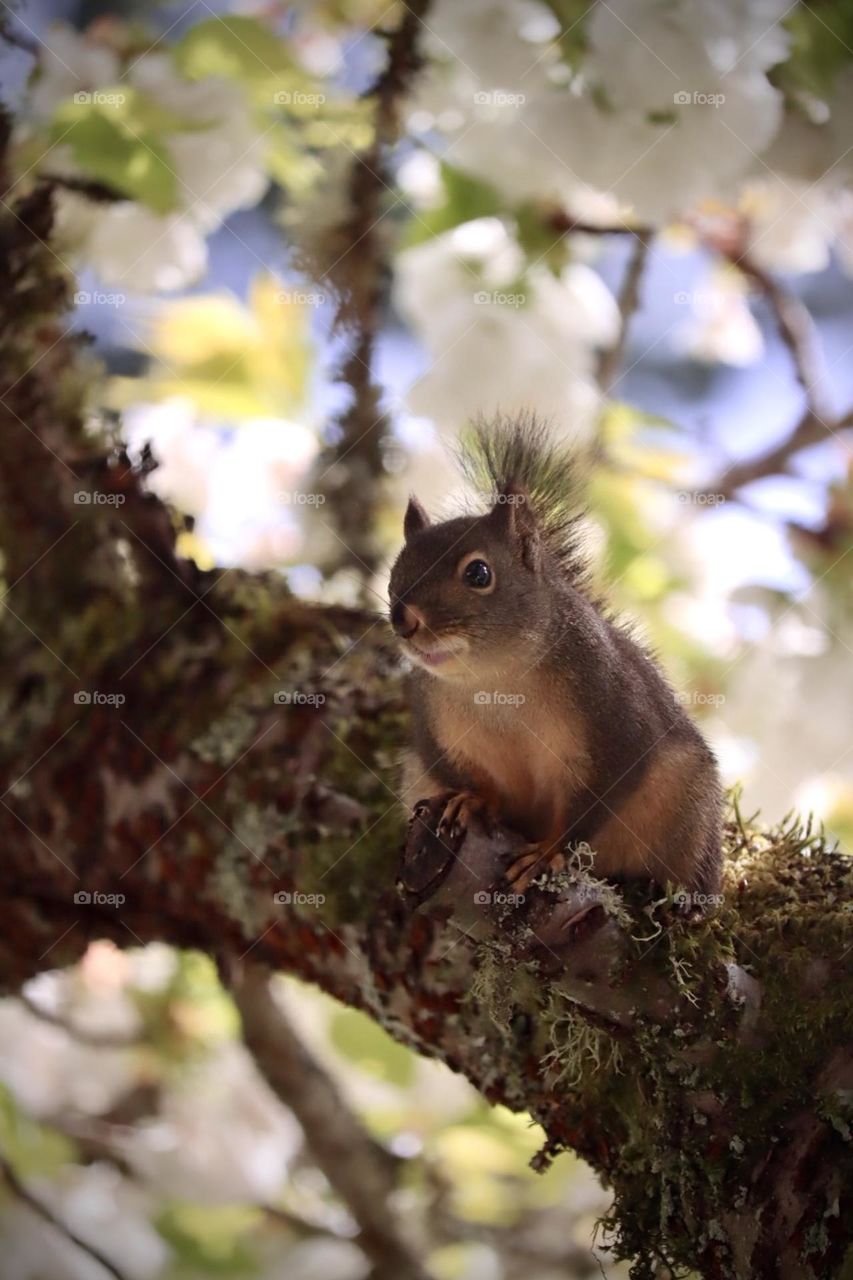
[[13, 1182], [809, 431], [190, 797], [628, 302], [359, 1170], [352, 467], [799, 334], [92, 1039]]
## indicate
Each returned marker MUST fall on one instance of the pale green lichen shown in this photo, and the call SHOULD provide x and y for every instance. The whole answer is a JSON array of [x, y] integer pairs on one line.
[[227, 737], [489, 987], [577, 1050], [233, 894]]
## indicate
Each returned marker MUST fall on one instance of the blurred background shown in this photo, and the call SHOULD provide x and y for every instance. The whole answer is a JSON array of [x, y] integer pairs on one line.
[[300, 279]]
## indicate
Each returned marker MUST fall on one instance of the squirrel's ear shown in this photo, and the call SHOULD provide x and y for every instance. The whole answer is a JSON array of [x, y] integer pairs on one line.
[[415, 518], [513, 518]]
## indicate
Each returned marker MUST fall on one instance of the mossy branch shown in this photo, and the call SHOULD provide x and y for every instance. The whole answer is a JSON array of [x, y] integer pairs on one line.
[[201, 759]]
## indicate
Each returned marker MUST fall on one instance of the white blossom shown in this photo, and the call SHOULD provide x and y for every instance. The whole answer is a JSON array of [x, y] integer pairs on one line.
[[722, 329], [496, 341], [69, 63]]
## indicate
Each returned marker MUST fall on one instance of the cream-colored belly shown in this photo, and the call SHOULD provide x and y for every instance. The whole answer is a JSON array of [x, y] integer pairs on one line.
[[528, 765]]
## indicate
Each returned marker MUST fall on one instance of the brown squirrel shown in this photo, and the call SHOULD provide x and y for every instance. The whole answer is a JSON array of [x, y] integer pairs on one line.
[[531, 705]]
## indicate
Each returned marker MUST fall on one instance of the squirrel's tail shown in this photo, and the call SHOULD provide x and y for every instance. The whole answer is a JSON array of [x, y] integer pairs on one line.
[[518, 453]]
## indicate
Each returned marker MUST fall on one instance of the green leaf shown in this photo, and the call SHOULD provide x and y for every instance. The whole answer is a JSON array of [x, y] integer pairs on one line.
[[33, 1149], [237, 48], [821, 44], [208, 1240], [572, 39], [465, 198], [108, 148], [539, 241]]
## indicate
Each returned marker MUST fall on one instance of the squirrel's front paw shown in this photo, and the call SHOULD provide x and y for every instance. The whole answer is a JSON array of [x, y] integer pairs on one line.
[[460, 807], [538, 858]]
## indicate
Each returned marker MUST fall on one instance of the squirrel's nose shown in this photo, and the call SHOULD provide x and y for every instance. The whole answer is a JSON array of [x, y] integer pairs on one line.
[[405, 619]]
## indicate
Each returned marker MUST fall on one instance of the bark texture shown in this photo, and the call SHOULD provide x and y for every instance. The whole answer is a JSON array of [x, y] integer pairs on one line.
[[222, 755]]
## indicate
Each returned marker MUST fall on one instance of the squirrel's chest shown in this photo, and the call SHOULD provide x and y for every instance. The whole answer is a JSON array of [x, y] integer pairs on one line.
[[526, 760]]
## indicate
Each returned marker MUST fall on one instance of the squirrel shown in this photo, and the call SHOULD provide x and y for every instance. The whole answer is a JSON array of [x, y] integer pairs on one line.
[[532, 706]]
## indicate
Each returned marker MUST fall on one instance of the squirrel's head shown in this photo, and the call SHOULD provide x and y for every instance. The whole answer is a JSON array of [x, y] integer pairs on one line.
[[469, 596]]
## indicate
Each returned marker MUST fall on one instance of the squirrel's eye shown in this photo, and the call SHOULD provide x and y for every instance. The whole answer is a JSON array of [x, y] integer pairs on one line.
[[477, 574]]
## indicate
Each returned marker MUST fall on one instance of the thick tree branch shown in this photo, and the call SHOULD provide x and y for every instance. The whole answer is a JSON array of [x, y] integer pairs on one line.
[[227, 782], [360, 1171]]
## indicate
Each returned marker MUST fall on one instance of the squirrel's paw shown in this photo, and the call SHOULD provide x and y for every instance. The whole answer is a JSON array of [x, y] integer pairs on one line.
[[538, 858], [459, 809]]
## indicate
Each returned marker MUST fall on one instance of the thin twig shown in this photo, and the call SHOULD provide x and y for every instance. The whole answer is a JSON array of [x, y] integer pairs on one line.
[[16, 39], [358, 1169], [351, 469], [797, 330], [18, 1189], [93, 1039], [799, 334], [628, 301], [809, 431], [565, 224]]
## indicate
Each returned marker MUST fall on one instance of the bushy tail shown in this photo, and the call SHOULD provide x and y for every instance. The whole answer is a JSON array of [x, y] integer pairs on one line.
[[519, 452]]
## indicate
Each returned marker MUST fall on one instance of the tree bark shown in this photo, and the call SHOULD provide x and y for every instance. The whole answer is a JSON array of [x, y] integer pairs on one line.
[[201, 758]]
